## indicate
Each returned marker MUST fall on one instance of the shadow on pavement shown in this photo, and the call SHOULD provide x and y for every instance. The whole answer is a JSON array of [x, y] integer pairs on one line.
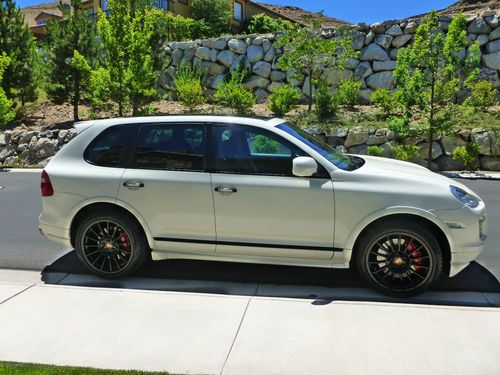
[[467, 288]]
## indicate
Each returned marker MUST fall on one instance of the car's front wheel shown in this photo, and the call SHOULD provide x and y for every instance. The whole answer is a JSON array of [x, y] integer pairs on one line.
[[399, 258], [111, 244]]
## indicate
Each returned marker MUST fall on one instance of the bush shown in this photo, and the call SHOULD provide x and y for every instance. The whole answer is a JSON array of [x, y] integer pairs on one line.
[[375, 151], [216, 14], [234, 95], [188, 86], [468, 155], [348, 92], [263, 24], [283, 100], [483, 95], [326, 102], [7, 114], [384, 100], [98, 87], [405, 152]]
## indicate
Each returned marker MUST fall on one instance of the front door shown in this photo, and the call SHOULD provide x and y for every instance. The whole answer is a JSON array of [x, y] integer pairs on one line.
[[261, 209], [167, 183]]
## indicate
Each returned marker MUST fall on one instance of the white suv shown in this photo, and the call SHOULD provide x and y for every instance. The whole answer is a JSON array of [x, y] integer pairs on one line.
[[251, 190]]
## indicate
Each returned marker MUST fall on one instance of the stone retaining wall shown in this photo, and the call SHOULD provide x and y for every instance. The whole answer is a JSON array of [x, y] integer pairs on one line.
[[378, 45], [33, 148]]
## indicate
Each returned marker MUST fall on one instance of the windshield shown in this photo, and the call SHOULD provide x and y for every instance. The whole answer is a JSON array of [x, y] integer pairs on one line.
[[340, 160]]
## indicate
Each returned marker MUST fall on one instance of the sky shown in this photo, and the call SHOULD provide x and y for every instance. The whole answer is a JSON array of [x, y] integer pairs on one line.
[[353, 11]]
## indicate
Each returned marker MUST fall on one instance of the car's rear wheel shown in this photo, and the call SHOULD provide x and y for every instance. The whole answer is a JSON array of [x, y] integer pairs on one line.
[[399, 258], [111, 244]]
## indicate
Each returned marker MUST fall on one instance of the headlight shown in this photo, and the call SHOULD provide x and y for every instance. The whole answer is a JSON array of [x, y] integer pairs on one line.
[[464, 197]]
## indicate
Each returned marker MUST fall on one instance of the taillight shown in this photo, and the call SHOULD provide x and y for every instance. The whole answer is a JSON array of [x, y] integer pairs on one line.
[[46, 185]]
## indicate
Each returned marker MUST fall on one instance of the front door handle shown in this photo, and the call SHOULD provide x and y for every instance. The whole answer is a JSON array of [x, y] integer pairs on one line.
[[133, 184], [226, 190]]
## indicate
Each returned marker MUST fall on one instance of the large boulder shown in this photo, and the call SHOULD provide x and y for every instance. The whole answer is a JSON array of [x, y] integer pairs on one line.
[[384, 40], [262, 68], [495, 34], [351, 63], [394, 30], [275, 86], [2, 140], [437, 151], [203, 53], [255, 53], [270, 54], [491, 75], [44, 148], [482, 138], [381, 80], [492, 60], [218, 44], [378, 28], [451, 143], [493, 46], [369, 37], [356, 136], [226, 58], [490, 163], [373, 53], [447, 163], [401, 40], [278, 75], [482, 39], [255, 82], [237, 46], [7, 151], [479, 26], [177, 56], [363, 70], [335, 76], [379, 66]]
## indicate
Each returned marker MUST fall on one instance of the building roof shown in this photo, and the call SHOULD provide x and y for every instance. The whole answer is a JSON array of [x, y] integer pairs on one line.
[[31, 13], [300, 15]]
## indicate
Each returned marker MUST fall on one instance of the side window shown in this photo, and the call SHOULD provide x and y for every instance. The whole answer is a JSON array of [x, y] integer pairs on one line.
[[170, 147], [249, 150], [107, 148]]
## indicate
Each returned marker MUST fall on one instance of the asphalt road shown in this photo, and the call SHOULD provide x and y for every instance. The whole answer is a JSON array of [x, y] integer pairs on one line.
[[23, 248]]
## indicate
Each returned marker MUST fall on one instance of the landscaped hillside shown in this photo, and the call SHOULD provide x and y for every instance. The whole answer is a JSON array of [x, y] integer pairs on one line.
[[474, 6]]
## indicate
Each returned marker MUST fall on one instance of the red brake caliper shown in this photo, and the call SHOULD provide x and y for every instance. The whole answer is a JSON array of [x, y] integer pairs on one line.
[[415, 255], [125, 241]]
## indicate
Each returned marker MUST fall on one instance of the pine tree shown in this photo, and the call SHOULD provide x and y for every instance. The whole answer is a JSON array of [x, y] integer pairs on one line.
[[75, 32], [16, 41]]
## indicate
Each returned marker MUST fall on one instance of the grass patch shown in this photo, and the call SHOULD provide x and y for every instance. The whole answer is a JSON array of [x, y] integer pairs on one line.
[[9, 368]]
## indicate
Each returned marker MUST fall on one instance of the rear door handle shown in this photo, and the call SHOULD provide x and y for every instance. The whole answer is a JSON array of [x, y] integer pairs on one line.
[[226, 190], [133, 184]]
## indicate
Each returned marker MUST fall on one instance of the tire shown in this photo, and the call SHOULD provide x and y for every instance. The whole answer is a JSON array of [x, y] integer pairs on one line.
[[111, 244], [399, 258]]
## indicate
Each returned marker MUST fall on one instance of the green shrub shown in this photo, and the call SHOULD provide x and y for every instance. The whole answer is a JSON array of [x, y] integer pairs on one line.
[[405, 152], [483, 95], [234, 95], [348, 92], [375, 151], [384, 100], [98, 88], [216, 14], [263, 24], [326, 102], [283, 100], [7, 113], [468, 155], [188, 85]]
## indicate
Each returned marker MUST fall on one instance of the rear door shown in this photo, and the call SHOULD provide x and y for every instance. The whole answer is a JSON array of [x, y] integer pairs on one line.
[[168, 184]]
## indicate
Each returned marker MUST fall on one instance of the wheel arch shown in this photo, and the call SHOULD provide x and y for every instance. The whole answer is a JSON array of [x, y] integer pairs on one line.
[[442, 235], [82, 211]]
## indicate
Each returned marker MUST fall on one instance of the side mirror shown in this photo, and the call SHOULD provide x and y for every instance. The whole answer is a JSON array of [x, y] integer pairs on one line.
[[304, 166]]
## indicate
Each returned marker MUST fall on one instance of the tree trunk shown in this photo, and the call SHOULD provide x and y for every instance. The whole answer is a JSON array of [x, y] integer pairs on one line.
[[431, 122], [76, 99]]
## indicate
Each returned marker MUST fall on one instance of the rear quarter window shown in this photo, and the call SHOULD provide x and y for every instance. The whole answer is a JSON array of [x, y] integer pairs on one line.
[[107, 149]]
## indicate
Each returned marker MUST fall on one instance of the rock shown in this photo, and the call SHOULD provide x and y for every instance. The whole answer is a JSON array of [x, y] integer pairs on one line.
[[335, 76], [490, 163], [215, 69], [443, 25], [447, 163], [183, 45], [483, 140], [255, 53], [22, 147], [492, 60], [479, 26], [369, 37], [261, 95], [373, 53], [44, 148], [218, 44], [6, 152], [358, 150], [15, 135], [338, 132], [490, 75], [365, 96], [482, 39], [465, 135], [379, 66], [213, 55], [492, 47], [217, 81], [378, 28], [278, 75], [356, 136], [11, 160], [2, 140], [306, 87], [71, 134], [394, 53], [358, 43], [237, 46], [394, 30], [270, 55], [255, 82], [384, 40], [275, 86], [189, 54], [436, 150], [177, 56], [226, 58], [341, 149], [401, 40], [294, 79], [203, 53], [382, 80], [495, 34], [46, 134], [351, 63], [363, 70], [451, 143], [266, 45], [259, 41], [262, 69], [376, 139], [241, 60], [411, 28], [492, 21]]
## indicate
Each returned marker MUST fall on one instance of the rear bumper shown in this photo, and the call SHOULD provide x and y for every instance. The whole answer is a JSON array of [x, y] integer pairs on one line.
[[55, 234]]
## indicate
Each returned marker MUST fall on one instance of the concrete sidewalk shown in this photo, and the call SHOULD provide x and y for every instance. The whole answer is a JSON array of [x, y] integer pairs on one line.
[[240, 334]]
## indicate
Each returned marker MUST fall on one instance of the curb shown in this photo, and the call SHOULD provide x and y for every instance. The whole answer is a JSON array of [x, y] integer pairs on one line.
[[472, 176]]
